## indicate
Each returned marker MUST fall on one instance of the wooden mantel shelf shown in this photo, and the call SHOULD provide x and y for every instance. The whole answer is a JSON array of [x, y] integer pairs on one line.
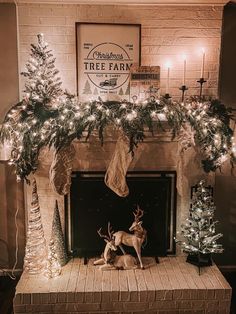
[[130, 2], [172, 286]]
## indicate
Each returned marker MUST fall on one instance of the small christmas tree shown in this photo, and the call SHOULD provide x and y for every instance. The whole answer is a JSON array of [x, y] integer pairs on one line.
[[53, 268], [127, 92], [121, 92], [42, 82], [87, 88], [199, 228], [35, 251], [58, 238]]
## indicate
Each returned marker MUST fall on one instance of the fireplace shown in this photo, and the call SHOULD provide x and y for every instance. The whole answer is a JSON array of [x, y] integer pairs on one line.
[[91, 205]]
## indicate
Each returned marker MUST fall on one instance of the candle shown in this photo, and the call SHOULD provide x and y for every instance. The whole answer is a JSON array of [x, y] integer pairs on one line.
[[168, 78], [184, 71], [203, 63]]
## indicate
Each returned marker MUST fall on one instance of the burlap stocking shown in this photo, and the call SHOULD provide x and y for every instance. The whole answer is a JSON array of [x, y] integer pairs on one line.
[[115, 177], [61, 168]]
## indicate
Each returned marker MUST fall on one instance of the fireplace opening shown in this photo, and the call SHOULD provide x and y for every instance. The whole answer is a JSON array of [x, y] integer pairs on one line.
[[91, 205]]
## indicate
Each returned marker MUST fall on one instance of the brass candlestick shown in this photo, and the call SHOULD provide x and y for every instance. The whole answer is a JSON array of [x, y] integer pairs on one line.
[[201, 81], [183, 88], [167, 96]]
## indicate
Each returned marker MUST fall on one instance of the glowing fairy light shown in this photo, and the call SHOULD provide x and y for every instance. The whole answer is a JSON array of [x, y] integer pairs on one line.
[[153, 114], [234, 150], [131, 116], [118, 121], [91, 118], [161, 116]]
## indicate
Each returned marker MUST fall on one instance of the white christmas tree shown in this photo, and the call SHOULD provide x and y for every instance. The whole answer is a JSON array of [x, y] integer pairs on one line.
[[35, 251], [42, 82], [199, 228]]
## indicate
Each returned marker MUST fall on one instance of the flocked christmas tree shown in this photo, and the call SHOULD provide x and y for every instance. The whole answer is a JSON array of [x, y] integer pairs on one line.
[[40, 104], [35, 251], [57, 237], [199, 228], [53, 268], [43, 84]]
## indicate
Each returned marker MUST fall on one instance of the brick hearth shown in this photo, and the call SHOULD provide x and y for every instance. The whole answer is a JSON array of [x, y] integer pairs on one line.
[[173, 286]]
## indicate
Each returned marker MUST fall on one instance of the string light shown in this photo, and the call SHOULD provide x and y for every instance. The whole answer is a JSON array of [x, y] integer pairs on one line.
[[118, 121], [91, 118], [35, 251]]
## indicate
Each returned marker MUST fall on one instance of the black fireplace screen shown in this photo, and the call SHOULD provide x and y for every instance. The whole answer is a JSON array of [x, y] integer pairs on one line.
[[92, 205]]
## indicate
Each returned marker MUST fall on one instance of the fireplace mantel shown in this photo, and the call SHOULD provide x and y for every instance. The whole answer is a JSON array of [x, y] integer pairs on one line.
[[130, 2]]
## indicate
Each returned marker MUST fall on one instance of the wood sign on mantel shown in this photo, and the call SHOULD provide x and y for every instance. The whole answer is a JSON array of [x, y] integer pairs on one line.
[[130, 2]]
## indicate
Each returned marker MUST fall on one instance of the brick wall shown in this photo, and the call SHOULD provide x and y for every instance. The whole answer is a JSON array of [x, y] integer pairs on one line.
[[168, 32]]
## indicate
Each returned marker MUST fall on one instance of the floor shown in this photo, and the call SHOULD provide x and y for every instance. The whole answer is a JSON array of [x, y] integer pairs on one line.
[[7, 291]]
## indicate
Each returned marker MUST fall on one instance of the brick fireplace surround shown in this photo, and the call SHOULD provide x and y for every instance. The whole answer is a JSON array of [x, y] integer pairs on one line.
[[172, 286]]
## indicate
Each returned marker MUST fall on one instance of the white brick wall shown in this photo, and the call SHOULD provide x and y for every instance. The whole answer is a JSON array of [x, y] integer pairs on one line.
[[167, 33]]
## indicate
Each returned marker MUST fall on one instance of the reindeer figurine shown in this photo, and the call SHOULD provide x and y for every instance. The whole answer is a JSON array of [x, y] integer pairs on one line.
[[135, 240], [109, 259]]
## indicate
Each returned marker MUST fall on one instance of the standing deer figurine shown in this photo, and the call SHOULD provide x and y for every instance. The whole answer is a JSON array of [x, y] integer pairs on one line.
[[135, 240], [109, 259]]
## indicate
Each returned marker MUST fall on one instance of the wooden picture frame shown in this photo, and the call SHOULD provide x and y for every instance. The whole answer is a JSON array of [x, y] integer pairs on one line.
[[104, 55]]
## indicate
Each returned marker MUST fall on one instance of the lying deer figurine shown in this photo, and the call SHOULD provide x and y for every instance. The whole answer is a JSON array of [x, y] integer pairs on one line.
[[109, 259], [135, 240]]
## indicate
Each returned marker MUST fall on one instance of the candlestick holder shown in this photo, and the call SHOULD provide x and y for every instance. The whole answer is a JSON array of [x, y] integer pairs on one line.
[[201, 81], [183, 88], [167, 96]]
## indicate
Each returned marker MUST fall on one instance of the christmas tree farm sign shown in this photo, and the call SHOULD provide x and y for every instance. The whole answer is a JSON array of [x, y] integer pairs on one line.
[[105, 54]]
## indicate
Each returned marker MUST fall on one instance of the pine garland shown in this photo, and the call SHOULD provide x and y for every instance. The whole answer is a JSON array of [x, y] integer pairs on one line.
[[49, 116]]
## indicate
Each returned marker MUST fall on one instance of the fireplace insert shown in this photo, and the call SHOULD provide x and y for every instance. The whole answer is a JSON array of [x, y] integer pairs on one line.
[[91, 205]]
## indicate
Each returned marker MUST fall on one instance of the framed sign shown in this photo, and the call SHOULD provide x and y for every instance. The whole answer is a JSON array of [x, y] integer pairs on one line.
[[144, 82], [105, 54]]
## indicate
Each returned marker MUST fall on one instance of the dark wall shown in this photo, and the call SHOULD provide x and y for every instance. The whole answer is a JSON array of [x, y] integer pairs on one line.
[[225, 188], [11, 193], [9, 82], [227, 84], [225, 197]]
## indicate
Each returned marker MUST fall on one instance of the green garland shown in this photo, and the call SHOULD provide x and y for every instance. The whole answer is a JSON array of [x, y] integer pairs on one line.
[[29, 129], [49, 117]]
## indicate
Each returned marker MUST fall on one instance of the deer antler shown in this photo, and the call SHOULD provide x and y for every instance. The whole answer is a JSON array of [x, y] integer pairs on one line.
[[102, 235], [109, 230], [138, 213]]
